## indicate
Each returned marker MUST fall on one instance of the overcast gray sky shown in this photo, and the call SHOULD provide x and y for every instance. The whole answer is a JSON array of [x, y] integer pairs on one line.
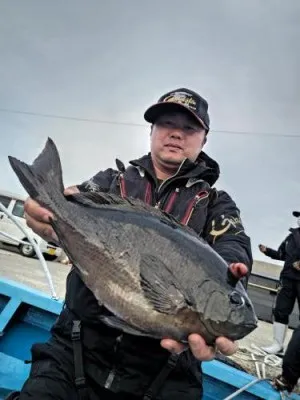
[[109, 61]]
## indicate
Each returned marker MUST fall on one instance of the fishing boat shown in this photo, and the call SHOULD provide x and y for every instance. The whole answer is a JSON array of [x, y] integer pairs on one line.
[[27, 315]]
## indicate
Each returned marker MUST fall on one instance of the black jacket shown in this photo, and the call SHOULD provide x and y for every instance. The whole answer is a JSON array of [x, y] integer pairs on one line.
[[128, 363], [289, 252]]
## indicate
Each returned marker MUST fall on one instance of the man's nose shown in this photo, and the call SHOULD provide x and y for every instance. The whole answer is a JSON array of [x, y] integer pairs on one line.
[[176, 133]]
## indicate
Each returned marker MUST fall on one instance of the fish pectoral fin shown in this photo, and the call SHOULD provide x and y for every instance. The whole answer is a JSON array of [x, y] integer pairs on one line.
[[117, 323], [160, 286]]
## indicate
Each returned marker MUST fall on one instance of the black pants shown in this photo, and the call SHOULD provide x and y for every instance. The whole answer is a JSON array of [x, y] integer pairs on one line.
[[291, 358], [289, 291]]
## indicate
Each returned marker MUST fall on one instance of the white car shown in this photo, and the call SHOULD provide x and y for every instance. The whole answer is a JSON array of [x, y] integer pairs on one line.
[[11, 234]]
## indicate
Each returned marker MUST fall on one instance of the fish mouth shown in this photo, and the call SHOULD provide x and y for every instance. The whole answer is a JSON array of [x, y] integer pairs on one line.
[[244, 330], [213, 329], [238, 333], [251, 326]]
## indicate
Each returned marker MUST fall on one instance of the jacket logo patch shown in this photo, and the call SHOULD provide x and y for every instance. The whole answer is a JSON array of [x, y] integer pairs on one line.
[[218, 229]]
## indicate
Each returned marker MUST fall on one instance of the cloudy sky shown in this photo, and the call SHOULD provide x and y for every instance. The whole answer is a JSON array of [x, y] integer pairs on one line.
[[92, 61]]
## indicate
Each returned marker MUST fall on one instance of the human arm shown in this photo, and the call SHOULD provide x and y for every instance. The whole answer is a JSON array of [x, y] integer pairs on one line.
[[225, 232], [279, 254]]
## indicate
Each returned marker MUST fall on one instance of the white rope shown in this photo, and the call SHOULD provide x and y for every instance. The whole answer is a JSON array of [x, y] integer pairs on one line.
[[260, 358], [283, 395], [250, 354], [243, 388], [36, 248]]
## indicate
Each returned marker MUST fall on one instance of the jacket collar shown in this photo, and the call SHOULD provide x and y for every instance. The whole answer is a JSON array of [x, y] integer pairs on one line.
[[204, 168]]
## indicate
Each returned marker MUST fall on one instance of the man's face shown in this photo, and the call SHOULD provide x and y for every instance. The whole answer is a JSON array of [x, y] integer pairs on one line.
[[176, 136]]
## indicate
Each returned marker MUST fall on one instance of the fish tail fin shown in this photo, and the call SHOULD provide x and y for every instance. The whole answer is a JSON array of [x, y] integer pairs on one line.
[[43, 179]]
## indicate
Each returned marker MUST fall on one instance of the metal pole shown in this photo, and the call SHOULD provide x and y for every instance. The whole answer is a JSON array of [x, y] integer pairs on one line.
[[36, 248]]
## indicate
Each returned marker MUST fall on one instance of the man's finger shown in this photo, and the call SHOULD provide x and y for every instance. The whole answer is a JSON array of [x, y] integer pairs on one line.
[[42, 229], [35, 211], [172, 346], [200, 349], [226, 346], [71, 190]]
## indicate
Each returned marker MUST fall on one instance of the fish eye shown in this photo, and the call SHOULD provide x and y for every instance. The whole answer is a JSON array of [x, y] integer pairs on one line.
[[236, 299]]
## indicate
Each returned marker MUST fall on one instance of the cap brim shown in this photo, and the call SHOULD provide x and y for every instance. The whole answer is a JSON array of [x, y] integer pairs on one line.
[[159, 109], [296, 213]]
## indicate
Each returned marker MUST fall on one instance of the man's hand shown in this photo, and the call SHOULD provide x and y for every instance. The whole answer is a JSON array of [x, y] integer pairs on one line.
[[200, 349], [262, 248], [281, 384], [239, 270], [37, 217]]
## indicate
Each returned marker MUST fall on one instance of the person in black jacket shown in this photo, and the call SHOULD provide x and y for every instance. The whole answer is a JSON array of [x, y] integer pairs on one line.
[[290, 374], [289, 290], [85, 359]]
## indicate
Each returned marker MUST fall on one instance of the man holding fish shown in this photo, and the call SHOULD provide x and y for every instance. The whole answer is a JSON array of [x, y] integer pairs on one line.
[[181, 249]]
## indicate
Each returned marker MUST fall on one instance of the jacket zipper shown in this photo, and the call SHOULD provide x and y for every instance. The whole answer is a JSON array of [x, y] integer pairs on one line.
[[158, 203], [171, 177], [148, 194], [191, 207], [171, 201], [122, 186]]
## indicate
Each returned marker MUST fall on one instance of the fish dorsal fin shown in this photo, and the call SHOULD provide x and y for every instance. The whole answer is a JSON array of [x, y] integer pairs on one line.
[[160, 286], [96, 199], [102, 199]]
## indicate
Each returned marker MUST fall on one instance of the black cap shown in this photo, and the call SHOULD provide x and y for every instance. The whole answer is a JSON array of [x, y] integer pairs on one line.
[[296, 213], [180, 99]]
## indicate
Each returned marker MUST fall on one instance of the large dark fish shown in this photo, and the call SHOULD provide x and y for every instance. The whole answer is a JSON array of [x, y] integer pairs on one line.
[[155, 276]]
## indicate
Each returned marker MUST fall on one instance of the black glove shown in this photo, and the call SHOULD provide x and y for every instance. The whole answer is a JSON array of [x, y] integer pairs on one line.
[[281, 384]]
